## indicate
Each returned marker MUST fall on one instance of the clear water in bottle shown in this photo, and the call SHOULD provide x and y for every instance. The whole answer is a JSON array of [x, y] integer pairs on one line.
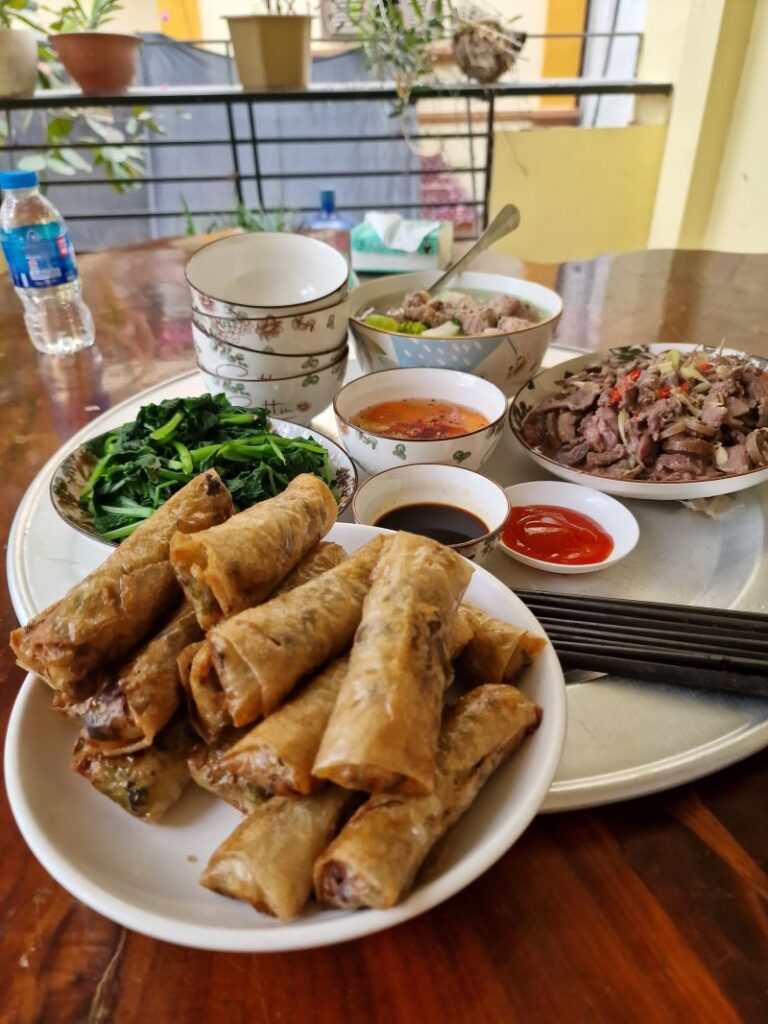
[[41, 262]]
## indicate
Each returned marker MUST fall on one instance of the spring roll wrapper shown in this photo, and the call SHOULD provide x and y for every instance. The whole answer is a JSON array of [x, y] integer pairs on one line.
[[375, 858], [207, 705], [146, 783], [498, 651], [102, 618], [277, 755], [223, 571], [382, 734], [325, 556], [209, 771], [135, 704], [260, 654], [268, 859]]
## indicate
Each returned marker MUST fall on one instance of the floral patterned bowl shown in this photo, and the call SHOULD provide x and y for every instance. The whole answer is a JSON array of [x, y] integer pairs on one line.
[[295, 335], [441, 485], [375, 452], [266, 274], [291, 398], [226, 360], [507, 360]]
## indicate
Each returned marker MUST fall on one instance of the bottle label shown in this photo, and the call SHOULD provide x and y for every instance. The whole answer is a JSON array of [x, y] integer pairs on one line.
[[39, 255]]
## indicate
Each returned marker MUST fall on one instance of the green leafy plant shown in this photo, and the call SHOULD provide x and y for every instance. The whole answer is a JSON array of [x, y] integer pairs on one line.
[[77, 17], [255, 220], [17, 10], [396, 36]]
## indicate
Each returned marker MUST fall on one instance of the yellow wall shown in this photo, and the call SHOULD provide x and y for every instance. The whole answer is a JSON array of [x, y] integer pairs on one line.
[[581, 191], [562, 57], [738, 216], [713, 186]]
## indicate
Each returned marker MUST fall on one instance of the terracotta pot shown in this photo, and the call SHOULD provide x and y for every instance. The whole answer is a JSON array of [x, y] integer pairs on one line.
[[272, 50], [100, 62], [18, 62]]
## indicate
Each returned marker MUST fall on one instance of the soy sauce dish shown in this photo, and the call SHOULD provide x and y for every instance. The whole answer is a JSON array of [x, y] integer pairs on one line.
[[456, 506], [566, 528]]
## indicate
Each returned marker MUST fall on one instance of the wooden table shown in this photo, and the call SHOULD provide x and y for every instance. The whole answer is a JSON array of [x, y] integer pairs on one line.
[[652, 911]]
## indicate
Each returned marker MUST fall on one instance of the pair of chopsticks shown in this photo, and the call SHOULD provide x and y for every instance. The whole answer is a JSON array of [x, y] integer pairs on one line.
[[708, 648]]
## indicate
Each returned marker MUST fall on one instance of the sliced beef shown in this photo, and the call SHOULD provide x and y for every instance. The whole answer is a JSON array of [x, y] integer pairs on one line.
[[646, 449], [583, 397], [659, 414], [688, 444], [738, 460], [757, 389], [678, 463], [608, 426], [605, 458], [567, 421], [713, 410], [573, 456], [735, 409]]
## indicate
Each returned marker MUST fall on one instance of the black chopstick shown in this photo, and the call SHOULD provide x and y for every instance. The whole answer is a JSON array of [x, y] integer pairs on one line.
[[702, 660], [715, 640], [679, 675], [666, 612], [593, 619]]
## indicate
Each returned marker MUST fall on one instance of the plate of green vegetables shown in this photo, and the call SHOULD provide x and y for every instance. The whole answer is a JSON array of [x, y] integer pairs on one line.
[[109, 485]]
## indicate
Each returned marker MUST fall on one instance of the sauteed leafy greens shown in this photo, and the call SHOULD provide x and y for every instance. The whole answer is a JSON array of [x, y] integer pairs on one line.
[[140, 465]]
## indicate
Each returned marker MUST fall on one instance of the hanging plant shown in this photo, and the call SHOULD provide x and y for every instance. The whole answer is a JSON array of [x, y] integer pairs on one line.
[[484, 47]]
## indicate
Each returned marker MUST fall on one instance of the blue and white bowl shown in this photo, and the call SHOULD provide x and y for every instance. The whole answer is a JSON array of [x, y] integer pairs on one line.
[[507, 360]]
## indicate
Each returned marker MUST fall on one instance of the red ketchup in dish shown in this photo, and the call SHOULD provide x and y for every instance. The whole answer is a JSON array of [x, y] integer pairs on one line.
[[554, 534]]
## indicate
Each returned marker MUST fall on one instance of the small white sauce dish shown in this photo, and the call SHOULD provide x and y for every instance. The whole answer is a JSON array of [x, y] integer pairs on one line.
[[434, 484], [617, 521]]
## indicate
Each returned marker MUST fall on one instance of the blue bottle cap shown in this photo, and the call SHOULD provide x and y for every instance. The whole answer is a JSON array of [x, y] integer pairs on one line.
[[328, 200], [18, 179]]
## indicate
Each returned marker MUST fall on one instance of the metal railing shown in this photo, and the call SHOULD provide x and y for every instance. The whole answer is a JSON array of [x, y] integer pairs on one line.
[[241, 138]]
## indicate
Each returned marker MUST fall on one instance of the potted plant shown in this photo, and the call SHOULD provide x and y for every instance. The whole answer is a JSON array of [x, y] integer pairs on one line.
[[272, 49], [100, 62], [18, 50]]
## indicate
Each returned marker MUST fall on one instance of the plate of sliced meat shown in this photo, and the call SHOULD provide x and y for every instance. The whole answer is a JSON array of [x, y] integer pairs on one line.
[[650, 421]]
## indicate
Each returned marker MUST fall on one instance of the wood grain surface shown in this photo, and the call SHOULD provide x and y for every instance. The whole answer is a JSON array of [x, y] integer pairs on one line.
[[655, 910]]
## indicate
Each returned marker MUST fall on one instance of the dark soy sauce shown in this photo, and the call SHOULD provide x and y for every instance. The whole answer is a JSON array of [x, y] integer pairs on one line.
[[444, 523]]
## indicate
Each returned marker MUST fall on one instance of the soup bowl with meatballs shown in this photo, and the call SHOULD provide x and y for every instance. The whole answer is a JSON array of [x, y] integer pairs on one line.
[[490, 325]]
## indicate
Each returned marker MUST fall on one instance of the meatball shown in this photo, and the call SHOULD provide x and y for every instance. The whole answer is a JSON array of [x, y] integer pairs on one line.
[[508, 324], [505, 305], [476, 321]]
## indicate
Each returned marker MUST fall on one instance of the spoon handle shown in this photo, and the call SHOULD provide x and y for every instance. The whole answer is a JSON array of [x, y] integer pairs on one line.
[[505, 221]]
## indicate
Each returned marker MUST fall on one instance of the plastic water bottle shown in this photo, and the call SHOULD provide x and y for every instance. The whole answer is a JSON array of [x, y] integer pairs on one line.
[[328, 225], [41, 262]]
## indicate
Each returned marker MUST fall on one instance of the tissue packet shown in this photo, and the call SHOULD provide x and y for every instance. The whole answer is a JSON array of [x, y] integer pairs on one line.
[[387, 243]]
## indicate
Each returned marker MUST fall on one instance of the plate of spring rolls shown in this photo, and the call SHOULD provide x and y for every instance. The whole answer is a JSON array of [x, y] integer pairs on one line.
[[266, 730]]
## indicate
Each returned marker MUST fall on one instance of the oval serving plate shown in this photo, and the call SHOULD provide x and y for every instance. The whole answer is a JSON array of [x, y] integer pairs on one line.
[[71, 475], [545, 383], [145, 877]]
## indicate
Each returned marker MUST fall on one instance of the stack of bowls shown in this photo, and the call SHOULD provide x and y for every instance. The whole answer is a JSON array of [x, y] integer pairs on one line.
[[269, 320]]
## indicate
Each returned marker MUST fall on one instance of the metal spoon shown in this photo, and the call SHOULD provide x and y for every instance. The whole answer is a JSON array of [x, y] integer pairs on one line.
[[505, 221]]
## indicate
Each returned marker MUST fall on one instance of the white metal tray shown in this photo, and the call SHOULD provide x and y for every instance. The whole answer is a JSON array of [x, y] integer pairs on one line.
[[624, 739]]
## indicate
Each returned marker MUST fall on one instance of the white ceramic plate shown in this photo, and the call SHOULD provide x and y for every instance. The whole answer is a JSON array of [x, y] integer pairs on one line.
[[617, 521], [145, 877], [545, 383]]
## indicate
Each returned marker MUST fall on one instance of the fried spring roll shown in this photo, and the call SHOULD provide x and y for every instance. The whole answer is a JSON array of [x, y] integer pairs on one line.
[[133, 706], [207, 705], [277, 754], [257, 657], [107, 614], [375, 858], [325, 556], [208, 770], [224, 570], [268, 859], [498, 651], [146, 783], [382, 733]]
